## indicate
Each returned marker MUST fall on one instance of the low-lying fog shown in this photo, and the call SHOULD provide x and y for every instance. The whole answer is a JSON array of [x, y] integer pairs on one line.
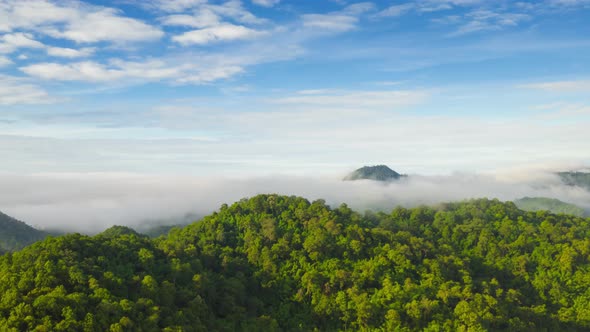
[[89, 203]]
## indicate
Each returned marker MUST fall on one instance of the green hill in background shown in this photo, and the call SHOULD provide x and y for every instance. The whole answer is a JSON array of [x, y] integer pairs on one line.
[[579, 179], [549, 204], [15, 234], [376, 173]]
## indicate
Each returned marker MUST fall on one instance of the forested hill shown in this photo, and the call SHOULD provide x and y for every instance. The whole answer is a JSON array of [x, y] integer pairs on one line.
[[549, 204], [375, 173], [15, 234], [579, 179], [275, 263]]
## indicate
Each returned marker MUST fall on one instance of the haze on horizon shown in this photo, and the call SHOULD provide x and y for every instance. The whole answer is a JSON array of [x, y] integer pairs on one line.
[[200, 101]]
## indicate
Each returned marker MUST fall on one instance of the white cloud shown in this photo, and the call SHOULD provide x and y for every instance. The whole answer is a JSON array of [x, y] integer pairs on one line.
[[173, 6], [212, 24], [483, 20], [424, 6], [96, 72], [568, 2], [74, 20], [32, 14], [356, 100], [14, 91], [213, 74], [339, 21], [106, 25], [561, 86], [266, 3], [233, 9], [194, 72], [358, 8], [4, 61], [65, 52], [396, 10], [12, 42], [222, 32], [204, 18]]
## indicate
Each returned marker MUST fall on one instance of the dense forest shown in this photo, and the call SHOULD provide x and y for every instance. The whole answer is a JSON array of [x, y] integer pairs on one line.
[[276, 263]]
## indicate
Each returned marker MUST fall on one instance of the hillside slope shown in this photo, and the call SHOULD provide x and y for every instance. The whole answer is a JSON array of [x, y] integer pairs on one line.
[[275, 263], [549, 204], [15, 234]]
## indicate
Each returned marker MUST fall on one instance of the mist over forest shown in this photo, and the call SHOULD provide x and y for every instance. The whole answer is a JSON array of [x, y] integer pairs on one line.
[[89, 203]]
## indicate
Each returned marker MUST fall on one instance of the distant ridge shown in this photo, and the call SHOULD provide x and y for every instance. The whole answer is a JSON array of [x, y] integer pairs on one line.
[[376, 173], [15, 234], [549, 204], [578, 179]]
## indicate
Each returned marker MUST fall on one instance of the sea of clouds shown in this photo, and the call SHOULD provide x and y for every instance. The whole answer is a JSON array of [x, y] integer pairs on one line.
[[91, 202]]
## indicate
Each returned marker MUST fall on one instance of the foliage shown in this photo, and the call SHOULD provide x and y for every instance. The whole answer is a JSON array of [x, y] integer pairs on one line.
[[15, 234], [548, 204], [274, 263], [116, 230], [157, 231]]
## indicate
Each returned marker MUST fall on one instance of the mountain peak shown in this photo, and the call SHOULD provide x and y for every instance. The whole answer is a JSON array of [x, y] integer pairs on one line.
[[376, 173]]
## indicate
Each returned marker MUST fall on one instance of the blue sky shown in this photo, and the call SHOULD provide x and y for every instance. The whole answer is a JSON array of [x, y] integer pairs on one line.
[[299, 87]]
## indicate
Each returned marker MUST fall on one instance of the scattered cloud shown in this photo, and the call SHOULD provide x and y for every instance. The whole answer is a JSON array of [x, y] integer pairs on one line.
[[202, 19], [4, 61], [424, 6], [480, 15], [266, 3], [560, 86], [326, 22], [339, 21], [484, 20], [106, 25], [568, 3], [12, 42], [213, 24], [15, 91], [222, 32], [65, 52], [173, 6], [354, 99], [396, 10], [187, 72], [233, 9], [96, 72], [73, 20]]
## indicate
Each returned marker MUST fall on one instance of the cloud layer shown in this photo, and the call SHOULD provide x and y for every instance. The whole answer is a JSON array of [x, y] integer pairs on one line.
[[92, 202]]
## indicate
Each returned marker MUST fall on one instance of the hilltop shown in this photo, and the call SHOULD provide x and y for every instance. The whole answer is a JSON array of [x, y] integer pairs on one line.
[[376, 173]]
